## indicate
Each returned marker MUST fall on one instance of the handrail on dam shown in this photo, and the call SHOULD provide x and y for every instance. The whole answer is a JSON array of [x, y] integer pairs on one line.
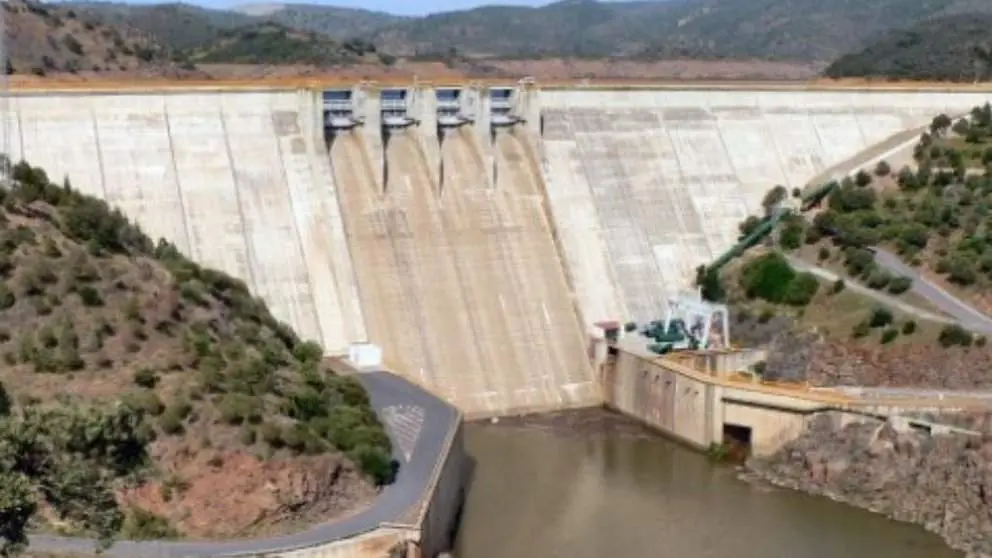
[[151, 85]]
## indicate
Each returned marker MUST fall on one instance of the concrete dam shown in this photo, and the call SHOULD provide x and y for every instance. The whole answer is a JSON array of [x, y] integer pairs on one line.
[[475, 232]]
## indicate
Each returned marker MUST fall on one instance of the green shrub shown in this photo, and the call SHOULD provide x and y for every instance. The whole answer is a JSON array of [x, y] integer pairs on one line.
[[889, 335], [880, 317], [170, 424], [89, 296], [801, 289], [767, 277], [954, 334], [900, 285], [237, 408], [879, 279], [141, 524], [862, 329], [909, 327], [375, 462], [145, 401], [823, 253], [5, 403], [838, 286], [146, 378], [308, 351], [7, 298]]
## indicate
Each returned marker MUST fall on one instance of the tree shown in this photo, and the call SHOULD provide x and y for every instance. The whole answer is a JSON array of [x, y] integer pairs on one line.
[[4, 401], [862, 178], [940, 124], [68, 456], [775, 196], [882, 169], [711, 288]]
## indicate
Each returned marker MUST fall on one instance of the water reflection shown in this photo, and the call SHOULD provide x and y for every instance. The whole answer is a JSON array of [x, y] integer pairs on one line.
[[546, 495]]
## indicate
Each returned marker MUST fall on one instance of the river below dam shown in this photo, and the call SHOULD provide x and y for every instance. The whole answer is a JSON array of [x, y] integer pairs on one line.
[[591, 484]]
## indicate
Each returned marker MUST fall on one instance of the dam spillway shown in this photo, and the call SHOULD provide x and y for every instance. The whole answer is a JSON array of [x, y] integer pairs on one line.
[[476, 256]]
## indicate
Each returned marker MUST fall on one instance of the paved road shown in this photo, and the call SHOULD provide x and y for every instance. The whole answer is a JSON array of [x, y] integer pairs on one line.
[[911, 392], [946, 302], [883, 298], [418, 424]]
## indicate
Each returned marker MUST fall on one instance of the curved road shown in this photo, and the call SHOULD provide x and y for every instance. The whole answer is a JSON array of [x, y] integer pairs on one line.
[[945, 301], [883, 298], [418, 424]]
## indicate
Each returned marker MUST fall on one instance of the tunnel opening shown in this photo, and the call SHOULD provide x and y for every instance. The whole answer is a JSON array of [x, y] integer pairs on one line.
[[735, 446]]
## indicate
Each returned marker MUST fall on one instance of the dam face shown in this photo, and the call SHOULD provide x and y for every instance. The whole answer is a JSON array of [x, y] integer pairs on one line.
[[474, 236]]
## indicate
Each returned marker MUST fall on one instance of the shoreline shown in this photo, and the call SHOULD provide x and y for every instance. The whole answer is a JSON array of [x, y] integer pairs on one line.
[[934, 482]]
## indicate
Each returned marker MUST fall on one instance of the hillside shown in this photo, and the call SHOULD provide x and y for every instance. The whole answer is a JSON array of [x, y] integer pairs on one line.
[[783, 30], [952, 48], [159, 398], [45, 40], [768, 29], [275, 44], [335, 22], [178, 25], [182, 26]]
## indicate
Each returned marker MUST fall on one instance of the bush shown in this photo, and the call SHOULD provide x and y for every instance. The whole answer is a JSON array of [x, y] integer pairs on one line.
[[823, 253], [767, 277], [7, 298], [889, 335], [791, 235], [375, 462], [801, 290], [909, 327], [862, 178], [954, 334], [880, 317], [900, 285], [146, 378], [89, 296], [236, 408], [5, 404], [838, 286], [879, 279], [861, 330], [882, 169], [144, 401]]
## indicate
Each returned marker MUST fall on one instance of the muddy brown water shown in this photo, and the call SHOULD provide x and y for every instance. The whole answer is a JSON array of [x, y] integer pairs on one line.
[[593, 485]]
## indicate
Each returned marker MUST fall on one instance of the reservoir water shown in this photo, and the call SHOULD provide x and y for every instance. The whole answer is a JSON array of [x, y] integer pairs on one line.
[[593, 485]]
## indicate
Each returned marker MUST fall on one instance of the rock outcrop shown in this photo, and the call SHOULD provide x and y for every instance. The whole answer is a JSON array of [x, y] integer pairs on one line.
[[943, 483]]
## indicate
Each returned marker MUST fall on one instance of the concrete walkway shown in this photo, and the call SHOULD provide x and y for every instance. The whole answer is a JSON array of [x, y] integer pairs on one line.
[[418, 424]]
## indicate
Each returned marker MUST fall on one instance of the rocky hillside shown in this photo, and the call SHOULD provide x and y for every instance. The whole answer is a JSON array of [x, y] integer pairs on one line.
[[952, 48], [275, 44], [794, 30], [45, 40], [162, 398], [943, 483]]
